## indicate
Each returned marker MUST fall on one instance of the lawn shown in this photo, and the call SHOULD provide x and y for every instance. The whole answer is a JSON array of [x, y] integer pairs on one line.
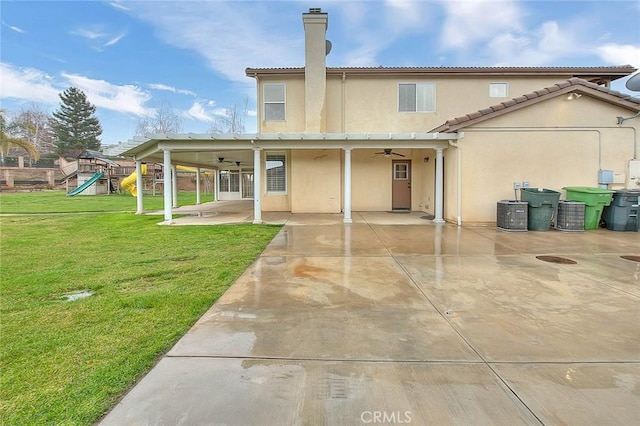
[[67, 362], [57, 202]]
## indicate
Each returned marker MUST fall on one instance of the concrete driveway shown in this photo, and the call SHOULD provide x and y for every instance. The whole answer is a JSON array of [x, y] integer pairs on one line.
[[372, 323]]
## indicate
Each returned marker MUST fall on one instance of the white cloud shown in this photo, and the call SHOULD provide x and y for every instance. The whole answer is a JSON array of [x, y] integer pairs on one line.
[[230, 37], [543, 46], [619, 54], [160, 86], [119, 5], [470, 22], [125, 99], [198, 112], [98, 36], [14, 28], [115, 39], [373, 27], [89, 33], [27, 84]]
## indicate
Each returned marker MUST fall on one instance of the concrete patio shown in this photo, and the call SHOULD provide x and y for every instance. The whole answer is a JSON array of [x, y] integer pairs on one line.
[[396, 320]]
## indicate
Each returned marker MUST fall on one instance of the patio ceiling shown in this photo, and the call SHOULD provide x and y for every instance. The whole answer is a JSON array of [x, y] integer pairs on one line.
[[207, 150]]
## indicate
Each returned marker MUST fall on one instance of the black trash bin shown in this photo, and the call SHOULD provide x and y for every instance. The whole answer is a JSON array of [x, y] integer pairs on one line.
[[622, 213]]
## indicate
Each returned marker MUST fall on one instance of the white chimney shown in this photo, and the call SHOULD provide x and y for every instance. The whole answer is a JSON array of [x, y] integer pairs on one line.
[[315, 70]]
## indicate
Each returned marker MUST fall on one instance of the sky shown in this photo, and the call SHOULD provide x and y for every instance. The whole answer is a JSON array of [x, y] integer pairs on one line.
[[132, 57]]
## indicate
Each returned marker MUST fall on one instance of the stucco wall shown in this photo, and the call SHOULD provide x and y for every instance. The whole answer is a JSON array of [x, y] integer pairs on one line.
[[275, 202], [315, 181], [371, 103], [566, 150], [294, 107]]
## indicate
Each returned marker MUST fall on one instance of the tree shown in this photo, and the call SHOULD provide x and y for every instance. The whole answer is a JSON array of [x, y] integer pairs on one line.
[[165, 120], [231, 121], [74, 126], [7, 141], [32, 124]]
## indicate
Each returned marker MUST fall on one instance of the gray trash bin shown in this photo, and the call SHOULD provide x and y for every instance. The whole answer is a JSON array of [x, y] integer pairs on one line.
[[622, 213]]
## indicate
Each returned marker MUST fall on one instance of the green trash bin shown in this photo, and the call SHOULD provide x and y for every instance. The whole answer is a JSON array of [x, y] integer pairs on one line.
[[595, 200], [543, 204]]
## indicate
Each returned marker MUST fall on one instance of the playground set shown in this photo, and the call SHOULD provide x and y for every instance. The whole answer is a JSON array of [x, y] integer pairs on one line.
[[96, 174]]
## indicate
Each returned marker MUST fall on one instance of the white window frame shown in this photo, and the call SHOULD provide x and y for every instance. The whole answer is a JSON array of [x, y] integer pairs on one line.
[[226, 183], [265, 102], [266, 169], [417, 107], [496, 85], [397, 171]]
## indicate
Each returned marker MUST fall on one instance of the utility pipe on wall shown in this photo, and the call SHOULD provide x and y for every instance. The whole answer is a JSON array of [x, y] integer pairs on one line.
[[562, 129], [344, 78]]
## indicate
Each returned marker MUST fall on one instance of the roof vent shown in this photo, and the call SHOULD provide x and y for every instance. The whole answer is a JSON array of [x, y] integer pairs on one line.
[[315, 10]]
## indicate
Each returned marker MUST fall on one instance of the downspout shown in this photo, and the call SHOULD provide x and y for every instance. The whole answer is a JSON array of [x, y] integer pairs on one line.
[[258, 105], [344, 78], [458, 180]]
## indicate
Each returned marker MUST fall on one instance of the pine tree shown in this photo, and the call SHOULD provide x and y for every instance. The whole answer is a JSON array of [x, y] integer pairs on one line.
[[74, 126]]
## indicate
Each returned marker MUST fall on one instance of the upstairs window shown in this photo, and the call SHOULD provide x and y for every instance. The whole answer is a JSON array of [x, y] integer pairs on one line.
[[498, 90], [273, 95], [417, 97], [276, 172]]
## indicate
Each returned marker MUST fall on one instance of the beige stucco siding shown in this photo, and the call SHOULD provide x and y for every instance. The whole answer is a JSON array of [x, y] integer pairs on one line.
[[294, 107], [565, 150], [371, 181], [361, 104], [275, 202], [316, 181]]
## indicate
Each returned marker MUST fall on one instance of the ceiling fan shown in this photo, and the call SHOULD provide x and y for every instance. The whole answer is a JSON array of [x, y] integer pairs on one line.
[[222, 160], [388, 153]]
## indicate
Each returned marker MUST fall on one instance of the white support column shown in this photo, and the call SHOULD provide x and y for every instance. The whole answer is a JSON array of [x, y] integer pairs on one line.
[[439, 186], [198, 186], [139, 201], [347, 186], [174, 181], [216, 179], [167, 186], [257, 186]]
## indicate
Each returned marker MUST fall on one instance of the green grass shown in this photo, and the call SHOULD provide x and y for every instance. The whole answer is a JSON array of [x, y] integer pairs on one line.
[[58, 202], [68, 362]]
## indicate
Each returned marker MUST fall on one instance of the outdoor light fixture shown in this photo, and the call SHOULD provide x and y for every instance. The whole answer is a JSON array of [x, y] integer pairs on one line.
[[573, 95]]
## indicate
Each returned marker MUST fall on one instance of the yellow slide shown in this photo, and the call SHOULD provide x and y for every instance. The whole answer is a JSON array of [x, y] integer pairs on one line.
[[129, 183]]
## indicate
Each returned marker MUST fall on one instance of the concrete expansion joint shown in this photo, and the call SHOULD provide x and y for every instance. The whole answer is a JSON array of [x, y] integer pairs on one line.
[[333, 359]]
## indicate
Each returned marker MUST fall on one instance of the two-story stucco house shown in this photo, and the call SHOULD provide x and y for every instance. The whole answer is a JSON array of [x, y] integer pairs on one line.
[[447, 141]]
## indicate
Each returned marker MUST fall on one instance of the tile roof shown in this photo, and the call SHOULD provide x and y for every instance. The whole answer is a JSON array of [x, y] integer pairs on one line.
[[572, 85]]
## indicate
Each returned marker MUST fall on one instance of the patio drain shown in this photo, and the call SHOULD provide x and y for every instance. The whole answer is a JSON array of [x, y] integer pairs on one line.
[[631, 258], [427, 217], [557, 259]]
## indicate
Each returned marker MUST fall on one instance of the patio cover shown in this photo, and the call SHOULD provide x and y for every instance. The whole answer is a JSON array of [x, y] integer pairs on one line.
[[205, 150]]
